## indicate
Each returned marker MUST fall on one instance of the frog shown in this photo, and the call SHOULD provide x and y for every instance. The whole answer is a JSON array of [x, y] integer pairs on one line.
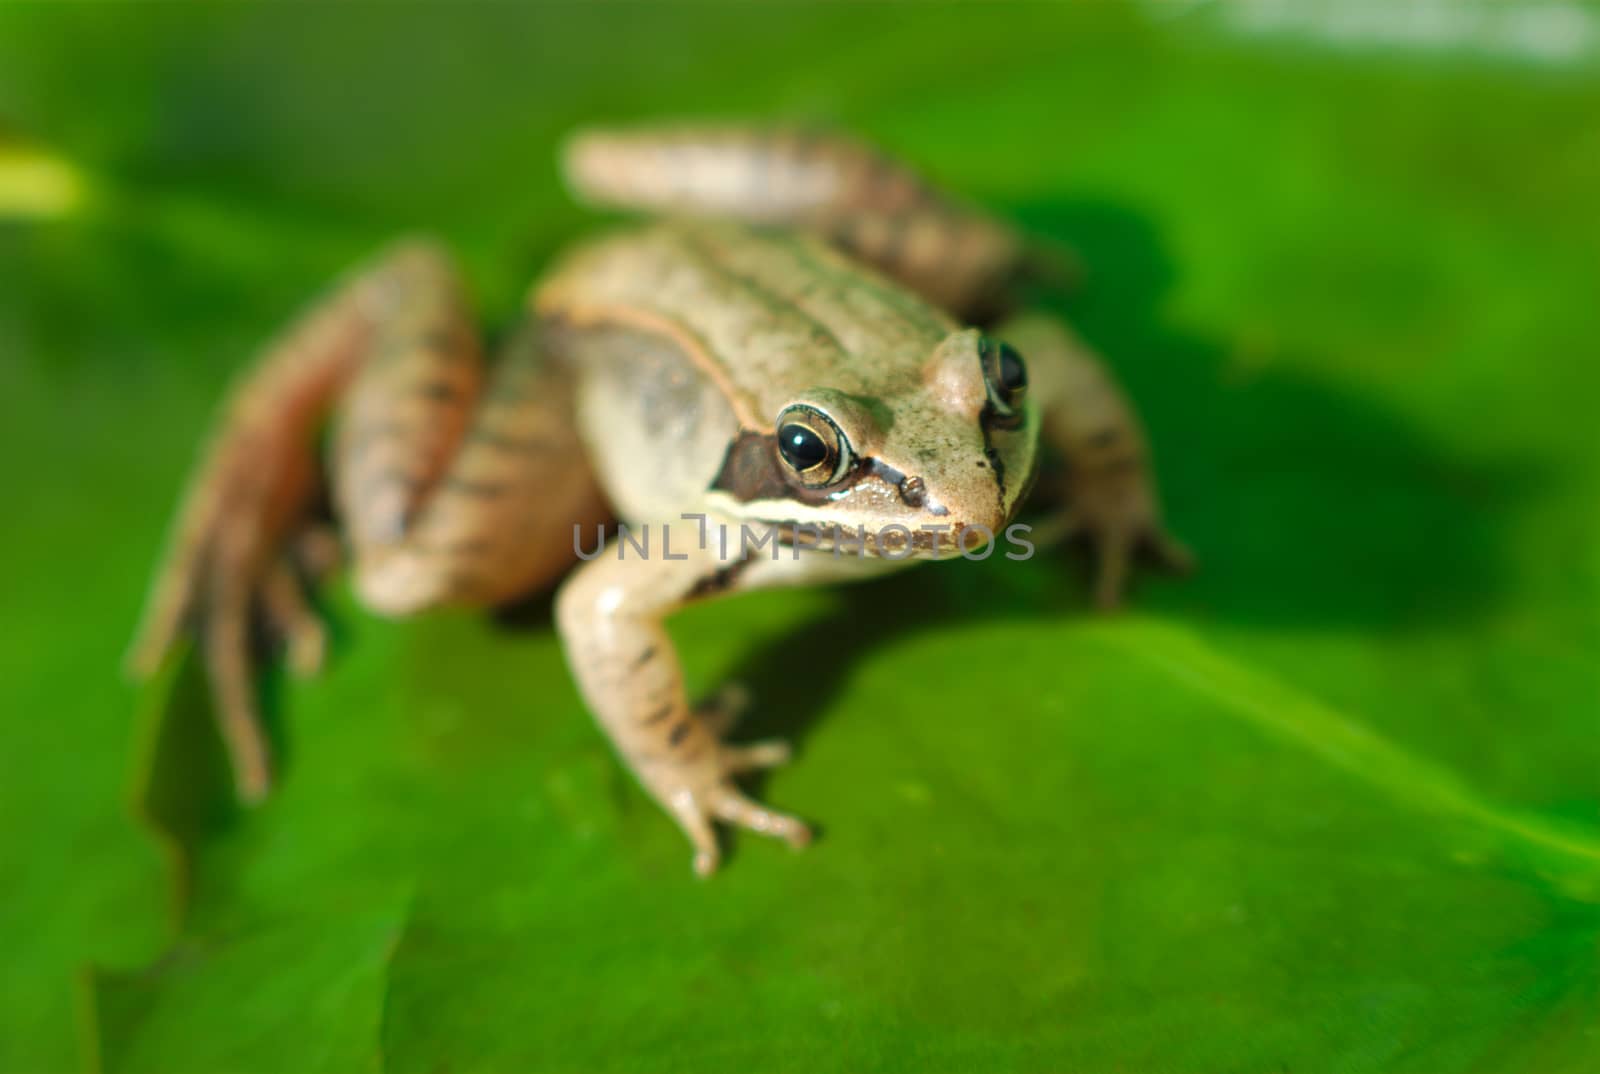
[[786, 369]]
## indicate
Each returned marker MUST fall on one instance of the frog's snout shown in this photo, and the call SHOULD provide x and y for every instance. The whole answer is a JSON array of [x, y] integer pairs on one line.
[[979, 433]]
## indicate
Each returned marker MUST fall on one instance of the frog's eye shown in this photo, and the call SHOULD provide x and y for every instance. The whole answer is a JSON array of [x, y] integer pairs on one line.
[[812, 446], [1005, 375]]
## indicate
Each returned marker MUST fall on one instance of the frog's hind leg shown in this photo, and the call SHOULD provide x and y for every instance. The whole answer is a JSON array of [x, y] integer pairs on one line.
[[497, 520], [447, 491], [229, 552], [869, 205]]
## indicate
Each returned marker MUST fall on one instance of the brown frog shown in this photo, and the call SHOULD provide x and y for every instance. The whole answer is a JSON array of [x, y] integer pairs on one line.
[[772, 385]]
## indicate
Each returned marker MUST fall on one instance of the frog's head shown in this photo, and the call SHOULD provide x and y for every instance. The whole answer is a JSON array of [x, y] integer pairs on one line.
[[937, 461]]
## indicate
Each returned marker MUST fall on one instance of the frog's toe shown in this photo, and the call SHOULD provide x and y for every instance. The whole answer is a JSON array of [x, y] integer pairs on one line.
[[291, 615], [733, 807], [1170, 553], [755, 756], [1115, 548], [694, 813], [1113, 553], [226, 648], [308, 649], [690, 813]]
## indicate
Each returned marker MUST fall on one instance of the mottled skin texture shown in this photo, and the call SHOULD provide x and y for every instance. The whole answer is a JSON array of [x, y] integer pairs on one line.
[[648, 380], [773, 319]]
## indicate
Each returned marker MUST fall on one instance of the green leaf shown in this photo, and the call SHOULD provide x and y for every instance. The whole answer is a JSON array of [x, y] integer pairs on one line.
[[1331, 804], [225, 1003]]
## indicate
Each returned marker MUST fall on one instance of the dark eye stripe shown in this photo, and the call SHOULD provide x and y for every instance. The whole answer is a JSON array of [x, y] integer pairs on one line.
[[753, 470]]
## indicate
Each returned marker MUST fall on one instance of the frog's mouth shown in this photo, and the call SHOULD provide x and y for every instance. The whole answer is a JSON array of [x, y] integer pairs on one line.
[[891, 541]]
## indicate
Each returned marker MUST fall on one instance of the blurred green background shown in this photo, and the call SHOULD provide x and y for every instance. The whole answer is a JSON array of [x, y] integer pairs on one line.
[[1331, 805]]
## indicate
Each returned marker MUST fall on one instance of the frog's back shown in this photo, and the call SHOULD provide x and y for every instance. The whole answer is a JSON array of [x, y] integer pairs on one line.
[[765, 315]]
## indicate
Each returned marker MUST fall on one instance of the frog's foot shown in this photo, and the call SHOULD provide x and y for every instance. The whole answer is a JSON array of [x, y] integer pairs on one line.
[[292, 618], [694, 813], [1116, 540], [700, 791], [228, 570], [1114, 550], [222, 623]]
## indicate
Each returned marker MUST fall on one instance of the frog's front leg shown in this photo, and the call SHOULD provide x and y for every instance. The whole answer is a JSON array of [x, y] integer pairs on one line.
[[1103, 490], [611, 612]]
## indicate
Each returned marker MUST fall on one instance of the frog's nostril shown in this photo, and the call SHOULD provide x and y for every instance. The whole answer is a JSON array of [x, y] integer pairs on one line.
[[913, 491]]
